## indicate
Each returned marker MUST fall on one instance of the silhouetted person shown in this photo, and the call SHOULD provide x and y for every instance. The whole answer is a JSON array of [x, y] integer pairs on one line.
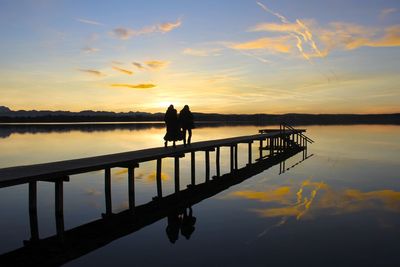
[[187, 123], [174, 224], [188, 222], [171, 120]]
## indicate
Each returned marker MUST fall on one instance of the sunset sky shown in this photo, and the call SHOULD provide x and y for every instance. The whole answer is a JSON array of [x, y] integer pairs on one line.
[[232, 56]]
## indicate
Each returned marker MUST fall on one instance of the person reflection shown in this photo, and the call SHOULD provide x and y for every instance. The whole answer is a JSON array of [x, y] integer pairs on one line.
[[171, 120], [188, 222], [186, 123], [174, 224]]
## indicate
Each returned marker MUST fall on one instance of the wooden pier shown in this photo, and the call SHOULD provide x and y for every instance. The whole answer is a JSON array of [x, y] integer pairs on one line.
[[83, 239], [274, 146]]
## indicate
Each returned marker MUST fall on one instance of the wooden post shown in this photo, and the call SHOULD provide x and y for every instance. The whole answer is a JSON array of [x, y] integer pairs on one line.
[[236, 156], [249, 145], [271, 146], [217, 160], [193, 167], [207, 165], [232, 147], [107, 190], [33, 218], [158, 178], [131, 188], [177, 187], [261, 147], [59, 207]]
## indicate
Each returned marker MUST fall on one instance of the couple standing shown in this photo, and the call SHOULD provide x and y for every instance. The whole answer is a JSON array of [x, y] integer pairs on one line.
[[175, 124]]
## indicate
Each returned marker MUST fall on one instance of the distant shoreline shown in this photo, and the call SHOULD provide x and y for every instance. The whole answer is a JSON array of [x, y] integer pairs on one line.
[[88, 116]]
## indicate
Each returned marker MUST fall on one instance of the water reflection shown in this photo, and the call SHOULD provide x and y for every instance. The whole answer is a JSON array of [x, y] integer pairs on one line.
[[311, 198], [182, 221], [177, 207]]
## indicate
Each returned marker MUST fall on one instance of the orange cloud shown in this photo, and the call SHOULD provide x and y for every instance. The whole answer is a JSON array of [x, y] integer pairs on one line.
[[156, 64], [134, 86], [93, 72], [123, 70], [169, 26], [275, 44]]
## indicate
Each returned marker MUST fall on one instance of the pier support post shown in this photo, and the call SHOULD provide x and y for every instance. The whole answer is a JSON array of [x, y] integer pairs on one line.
[[131, 187], [193, 167], [177, 187], [107, 191], [217, 162], [261, 147], [33, 218], [207, 161], [271, 146], [232, 161], [249, 157], [59, 207], [236, 156], [158, 178]]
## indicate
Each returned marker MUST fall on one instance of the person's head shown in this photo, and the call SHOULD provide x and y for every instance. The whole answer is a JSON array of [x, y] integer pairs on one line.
[[186, 107], [171, 106]]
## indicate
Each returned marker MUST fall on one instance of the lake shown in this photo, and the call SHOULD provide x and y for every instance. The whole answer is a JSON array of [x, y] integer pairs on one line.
[[339, 207]]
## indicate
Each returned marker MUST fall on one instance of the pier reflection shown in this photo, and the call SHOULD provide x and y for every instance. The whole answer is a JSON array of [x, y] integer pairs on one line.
[[177, 208]]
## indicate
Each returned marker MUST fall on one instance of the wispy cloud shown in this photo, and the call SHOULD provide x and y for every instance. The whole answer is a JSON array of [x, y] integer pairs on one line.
[[156, 64], [89, 50], [169, 26], [125, 71], [138, 65], [202, 52], [87, 21], [134, 86], [275, 44], [348, 36], [93, 72], [386, 12], [125, 33]]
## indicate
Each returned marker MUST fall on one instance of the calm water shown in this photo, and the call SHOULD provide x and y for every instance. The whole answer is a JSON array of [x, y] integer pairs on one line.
[[339, 207]]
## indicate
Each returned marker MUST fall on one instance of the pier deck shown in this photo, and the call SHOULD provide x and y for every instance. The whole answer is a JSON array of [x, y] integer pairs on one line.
[[23, 174]]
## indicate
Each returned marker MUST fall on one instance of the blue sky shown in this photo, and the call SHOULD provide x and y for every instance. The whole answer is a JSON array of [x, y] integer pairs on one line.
[[216, 56]]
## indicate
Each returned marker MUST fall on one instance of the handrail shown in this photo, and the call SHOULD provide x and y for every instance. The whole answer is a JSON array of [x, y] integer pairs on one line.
[[293, 129]]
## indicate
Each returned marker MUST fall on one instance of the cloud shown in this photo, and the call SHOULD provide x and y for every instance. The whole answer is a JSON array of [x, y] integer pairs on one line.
[[156, 64], [276, 44], [125, 33], [88, 49], [138, 65], [169, 26], [347, 36], [91, 22], [386, 12], [93, 72], [201, 52], [123, 70], [134, 86]]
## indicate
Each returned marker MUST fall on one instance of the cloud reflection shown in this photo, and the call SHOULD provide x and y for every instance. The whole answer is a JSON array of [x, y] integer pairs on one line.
[[313, 198]]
